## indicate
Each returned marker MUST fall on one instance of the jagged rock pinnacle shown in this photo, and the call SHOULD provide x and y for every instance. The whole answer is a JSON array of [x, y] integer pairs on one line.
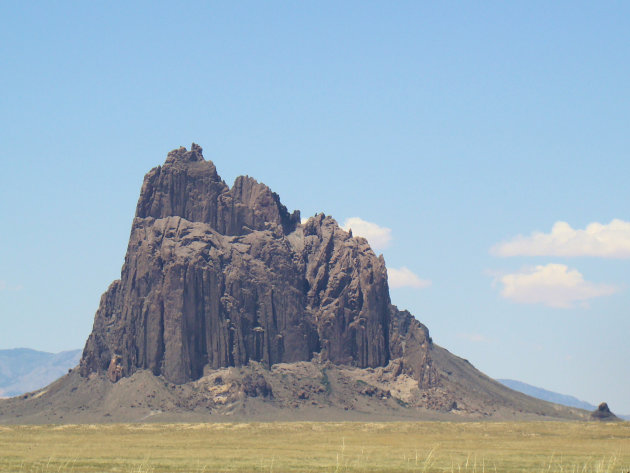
[[217, 276]]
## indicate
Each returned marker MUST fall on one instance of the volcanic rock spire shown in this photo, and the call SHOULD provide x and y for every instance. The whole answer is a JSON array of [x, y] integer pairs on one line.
[[217, 276]]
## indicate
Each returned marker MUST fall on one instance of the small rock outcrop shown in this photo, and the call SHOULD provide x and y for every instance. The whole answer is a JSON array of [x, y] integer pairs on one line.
[[603, 413], [217, 276]]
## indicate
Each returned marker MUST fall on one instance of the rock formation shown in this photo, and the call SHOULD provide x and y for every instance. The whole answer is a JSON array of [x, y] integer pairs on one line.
[[217, 276], [229, 307], [603, 413]]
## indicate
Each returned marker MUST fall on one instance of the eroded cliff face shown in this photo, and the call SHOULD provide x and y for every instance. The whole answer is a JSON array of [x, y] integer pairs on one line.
[[217, 276], [409, 341]]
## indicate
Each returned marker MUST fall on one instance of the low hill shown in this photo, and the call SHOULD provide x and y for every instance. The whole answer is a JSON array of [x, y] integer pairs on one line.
[[302, 391]]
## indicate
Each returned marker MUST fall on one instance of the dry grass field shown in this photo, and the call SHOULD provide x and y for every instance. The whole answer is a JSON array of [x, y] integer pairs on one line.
[[318, 447]]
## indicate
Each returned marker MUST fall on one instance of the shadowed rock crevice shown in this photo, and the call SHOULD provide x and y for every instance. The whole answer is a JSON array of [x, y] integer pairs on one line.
[[217, 277]]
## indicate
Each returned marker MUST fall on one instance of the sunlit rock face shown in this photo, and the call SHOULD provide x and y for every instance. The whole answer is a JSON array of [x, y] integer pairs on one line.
[[217, 276]]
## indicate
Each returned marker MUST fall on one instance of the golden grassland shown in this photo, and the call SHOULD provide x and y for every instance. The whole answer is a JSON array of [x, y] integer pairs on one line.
[[318, 447]]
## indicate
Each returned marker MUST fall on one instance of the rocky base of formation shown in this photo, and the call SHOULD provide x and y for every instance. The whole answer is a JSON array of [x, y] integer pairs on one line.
[[314, 391]]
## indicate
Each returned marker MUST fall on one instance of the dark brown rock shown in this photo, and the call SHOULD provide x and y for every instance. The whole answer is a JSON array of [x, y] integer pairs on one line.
[[225, 296], [188, 186], [217, 277], [410, 342], [604, 413], [348, 293], [256, 385]]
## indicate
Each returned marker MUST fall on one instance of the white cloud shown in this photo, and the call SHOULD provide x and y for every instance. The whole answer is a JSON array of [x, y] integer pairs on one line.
[[379, 237], [606, 241], [404, 277], [553, 285]]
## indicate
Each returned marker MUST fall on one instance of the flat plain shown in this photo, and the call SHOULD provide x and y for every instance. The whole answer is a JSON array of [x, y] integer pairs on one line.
[[318, 447]]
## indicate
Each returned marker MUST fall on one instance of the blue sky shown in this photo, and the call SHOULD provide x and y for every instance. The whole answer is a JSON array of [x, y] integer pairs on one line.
[[458, 126]]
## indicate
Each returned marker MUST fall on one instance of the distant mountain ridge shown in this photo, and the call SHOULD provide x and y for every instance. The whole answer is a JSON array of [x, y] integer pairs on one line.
[[545, 395], [550, 396], [23, 369]]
